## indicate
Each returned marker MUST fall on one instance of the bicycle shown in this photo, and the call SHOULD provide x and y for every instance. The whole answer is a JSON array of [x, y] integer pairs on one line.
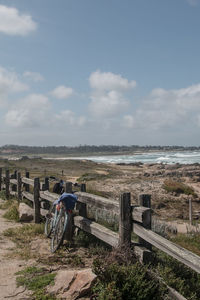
[[60, 228], [50, 221], [58, 218]]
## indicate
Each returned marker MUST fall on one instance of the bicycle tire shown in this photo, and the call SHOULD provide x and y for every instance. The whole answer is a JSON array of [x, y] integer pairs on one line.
[[59, 231], [48, 228]]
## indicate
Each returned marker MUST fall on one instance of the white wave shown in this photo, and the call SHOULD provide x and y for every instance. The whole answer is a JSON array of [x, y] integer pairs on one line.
[[169, 157], [163, 158]]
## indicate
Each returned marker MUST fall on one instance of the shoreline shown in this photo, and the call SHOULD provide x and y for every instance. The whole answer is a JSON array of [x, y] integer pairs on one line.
[[184, 157]]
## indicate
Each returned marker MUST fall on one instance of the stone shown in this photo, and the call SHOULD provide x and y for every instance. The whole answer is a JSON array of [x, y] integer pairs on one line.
[[63, 280], [72, 284], [25, 213]]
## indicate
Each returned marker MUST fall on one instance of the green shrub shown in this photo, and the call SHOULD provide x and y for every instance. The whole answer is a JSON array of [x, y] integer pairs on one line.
[[86, 240], [178, 276], [36, 280], [6, 204], [122, 281], [178, 188], [3, 195], [12, 213]]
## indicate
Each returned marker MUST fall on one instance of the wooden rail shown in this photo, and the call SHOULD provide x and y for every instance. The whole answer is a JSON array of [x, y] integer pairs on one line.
[[186, 257], [27, 181], [101, 232], [135, 219]]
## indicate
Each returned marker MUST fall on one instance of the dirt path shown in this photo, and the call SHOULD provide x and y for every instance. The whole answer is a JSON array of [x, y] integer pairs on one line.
[[8, 267]]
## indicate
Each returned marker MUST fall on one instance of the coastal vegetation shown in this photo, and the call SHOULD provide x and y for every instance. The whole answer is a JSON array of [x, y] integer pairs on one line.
[[36, 280], [173, 186], [87, 149]]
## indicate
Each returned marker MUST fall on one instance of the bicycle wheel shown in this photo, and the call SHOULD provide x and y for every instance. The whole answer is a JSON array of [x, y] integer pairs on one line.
[[59, 231], [49, 221]]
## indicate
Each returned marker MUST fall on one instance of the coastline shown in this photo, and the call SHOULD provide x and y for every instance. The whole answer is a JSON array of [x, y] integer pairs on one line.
[[143, 157]]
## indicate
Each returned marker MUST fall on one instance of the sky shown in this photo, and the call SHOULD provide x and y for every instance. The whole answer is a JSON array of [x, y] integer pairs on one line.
[[100, 72]]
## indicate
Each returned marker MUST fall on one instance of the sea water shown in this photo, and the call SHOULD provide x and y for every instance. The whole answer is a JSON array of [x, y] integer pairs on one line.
[[166, 157]]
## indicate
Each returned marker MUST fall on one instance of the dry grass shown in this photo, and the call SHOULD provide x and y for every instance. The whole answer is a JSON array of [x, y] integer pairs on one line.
[[172, 186], [22, 237]]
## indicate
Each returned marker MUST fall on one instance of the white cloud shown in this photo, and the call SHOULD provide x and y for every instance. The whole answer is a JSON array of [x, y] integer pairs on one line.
[[109, 81], [108, 94], [10, 84], [32, 111], [108, 104], [12, 22], [34, 76], [69, 118], [35, 111], [62, 92], [168, 109]]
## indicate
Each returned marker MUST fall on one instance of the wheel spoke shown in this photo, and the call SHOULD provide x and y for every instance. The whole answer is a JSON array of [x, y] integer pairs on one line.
[[59, 231]]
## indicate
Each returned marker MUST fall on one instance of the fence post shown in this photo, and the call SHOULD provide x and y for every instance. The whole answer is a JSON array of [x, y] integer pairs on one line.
[[27, 188], [7, 184], [190, 210], [83, 187], [46, 183], [19, 187], [15, 174], [125, 222], [14, 187], [36, 194], [145, 200], [0, 178], [68, 187]]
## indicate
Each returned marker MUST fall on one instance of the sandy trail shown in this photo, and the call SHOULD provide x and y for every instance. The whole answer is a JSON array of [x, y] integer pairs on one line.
[[8, 267]]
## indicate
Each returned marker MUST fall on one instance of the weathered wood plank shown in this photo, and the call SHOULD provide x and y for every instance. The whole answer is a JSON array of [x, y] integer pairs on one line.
[[14, 184], [46, 195], [68, 187], [28, 181], [145, 200], [125, 221], [28, 196], [36, 203], [27, 187], [141, 214], [143, 254], [46, 184], [99, 231], [174, 294], [13, 181], [19, 186], [186, 257], [7, 182], [99, 202]]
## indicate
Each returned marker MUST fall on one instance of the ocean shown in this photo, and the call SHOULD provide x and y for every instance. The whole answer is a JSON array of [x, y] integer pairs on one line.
[[166, 157]]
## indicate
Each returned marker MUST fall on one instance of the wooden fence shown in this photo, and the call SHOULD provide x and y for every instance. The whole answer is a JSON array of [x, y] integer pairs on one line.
[[131, 218]]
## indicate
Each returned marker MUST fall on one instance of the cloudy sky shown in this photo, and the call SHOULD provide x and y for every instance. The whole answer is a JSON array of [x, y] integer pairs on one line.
[[100, 72]]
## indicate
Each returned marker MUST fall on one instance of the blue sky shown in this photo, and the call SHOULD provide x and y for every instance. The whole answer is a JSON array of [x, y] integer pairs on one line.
[[100, 72]]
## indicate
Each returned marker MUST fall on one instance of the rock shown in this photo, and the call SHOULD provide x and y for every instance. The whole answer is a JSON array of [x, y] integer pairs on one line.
[[25, 213], [63, 280], [72, 284]]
